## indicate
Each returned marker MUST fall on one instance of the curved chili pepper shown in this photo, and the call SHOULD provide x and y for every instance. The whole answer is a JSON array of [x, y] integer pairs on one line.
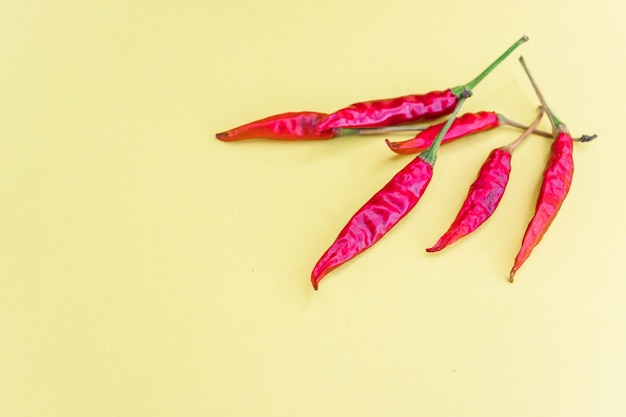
[[284, 126], [463, 125], [372, 221], [557, 180], [482, 199], [384, 210], [485, 193], [410, 108]]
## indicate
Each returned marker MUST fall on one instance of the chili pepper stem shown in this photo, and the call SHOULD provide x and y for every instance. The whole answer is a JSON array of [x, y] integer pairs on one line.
[[506, 121], [557, 124], [364, 131], [430, 155], [457, 91], [586, 138], [511, 146]]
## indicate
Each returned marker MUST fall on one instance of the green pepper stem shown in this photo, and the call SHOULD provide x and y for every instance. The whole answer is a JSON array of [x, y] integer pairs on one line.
[[557, 124], [457, 91], [430, 155]]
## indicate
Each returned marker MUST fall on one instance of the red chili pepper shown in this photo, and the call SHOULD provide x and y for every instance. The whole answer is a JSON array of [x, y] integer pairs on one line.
[[557, 180], [485, 193], [296, 126], [392, 111], [285, 126], [372, 221], [556, 183], [384, 210], [410, 108], [463, 125]]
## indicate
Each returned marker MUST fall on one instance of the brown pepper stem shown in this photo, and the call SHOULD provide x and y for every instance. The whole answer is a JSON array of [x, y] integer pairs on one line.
[[365, 131], [503, 120], [586, 138], [557, 124], [511, 146], [506, 121]]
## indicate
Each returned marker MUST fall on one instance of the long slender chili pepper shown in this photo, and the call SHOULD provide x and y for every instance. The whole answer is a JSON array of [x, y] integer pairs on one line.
[[409, 108], [556, 183], [385, 209], [295, 126], [464, 125], [485, 193]]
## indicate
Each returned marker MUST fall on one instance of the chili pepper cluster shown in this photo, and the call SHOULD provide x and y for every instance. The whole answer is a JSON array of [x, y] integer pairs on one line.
[[396, 198]]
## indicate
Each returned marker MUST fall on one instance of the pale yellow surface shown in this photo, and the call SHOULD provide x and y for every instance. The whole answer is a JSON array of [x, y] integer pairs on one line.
[[147, 269]]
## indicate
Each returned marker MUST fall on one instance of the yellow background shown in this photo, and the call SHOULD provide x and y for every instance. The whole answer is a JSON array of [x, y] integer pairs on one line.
[[147, 269]]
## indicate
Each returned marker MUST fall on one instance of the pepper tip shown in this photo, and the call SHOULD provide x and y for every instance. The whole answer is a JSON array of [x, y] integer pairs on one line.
[[315, 280]]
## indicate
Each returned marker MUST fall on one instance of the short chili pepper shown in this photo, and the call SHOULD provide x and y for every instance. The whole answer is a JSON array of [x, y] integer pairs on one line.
[[464, 125], [284, 126], [384, 210], [409, 108], [557, 180], [485, 193]]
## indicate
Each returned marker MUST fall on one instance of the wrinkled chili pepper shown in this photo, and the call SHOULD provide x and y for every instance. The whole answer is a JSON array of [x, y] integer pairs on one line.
[[295, 126], [385, 209], [409, 108], [284, 126], [464, 125], [485, 193], [557, 180]]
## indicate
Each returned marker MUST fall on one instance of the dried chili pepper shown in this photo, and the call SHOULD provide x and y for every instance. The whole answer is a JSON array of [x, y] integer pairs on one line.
[[464, 125], [295, 126], [557, 180], [385, 209], [284, 126], [485, 193], [409, 108]]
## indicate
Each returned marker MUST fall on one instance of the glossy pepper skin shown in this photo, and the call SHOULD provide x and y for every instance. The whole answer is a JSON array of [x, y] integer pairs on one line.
[[482, 199], [463, 125], [284, 126], [392, 111], [372, 221], [554, 188]]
